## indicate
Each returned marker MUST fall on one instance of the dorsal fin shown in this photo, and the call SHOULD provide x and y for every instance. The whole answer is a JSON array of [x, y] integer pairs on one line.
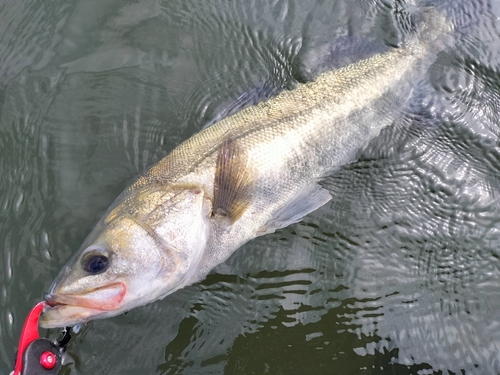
[[317, 56], [224, 108]]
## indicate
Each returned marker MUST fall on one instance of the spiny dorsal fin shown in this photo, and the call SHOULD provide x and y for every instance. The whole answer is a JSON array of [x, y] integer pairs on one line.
[[233, 178]]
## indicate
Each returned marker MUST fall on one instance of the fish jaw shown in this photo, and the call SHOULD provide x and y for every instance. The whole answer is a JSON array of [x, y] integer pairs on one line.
[[69, 310]]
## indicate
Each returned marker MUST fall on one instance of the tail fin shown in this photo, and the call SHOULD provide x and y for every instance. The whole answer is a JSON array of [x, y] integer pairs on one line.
[[436, 26], [434, 30], [462, 15]]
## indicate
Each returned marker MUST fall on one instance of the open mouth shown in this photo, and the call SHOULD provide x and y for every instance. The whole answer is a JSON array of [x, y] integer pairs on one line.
[[71, 309], [105, 298]]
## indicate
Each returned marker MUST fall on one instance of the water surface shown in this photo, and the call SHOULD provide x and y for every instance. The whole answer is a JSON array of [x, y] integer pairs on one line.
[[398, 274]]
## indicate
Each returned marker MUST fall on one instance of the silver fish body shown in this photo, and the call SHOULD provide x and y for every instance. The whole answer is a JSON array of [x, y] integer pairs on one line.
[[249, 174]]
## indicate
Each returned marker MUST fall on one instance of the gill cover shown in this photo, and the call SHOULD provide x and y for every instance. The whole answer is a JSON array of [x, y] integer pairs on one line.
[[149, 244]]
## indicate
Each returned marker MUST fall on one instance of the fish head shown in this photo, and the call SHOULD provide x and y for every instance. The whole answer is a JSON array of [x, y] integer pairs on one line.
[[148, 245]]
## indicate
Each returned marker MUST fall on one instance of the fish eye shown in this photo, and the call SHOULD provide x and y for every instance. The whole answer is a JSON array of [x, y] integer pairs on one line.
[[94, 262]]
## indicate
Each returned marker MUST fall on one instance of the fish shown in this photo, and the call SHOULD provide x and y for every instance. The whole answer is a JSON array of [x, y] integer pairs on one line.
[[251, 173]]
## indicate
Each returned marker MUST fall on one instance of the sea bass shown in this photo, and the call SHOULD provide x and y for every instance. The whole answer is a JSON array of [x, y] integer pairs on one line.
[[249, 174]]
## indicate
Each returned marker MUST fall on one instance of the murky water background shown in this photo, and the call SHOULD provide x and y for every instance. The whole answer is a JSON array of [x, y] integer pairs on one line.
[[399, 274]]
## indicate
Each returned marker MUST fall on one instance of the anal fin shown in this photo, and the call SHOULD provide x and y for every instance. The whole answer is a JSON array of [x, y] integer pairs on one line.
[[307, 200], [233, 179]]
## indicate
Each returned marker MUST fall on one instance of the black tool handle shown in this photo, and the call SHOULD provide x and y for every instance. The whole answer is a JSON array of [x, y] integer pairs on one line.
[[34, 354]]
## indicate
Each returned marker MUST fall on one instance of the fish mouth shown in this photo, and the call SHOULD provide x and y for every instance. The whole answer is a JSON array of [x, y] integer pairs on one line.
[[107, 297], [71, 309]]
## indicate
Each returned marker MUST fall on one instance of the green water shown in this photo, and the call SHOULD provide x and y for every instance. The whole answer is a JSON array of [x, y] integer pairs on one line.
[[398, 274]]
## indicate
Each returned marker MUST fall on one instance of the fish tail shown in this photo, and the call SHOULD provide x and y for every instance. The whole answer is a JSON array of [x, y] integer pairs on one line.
[[434, 30], [435, 26]]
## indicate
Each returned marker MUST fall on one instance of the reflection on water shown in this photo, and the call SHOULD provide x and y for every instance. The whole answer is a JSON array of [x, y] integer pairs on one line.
[[399, 273]]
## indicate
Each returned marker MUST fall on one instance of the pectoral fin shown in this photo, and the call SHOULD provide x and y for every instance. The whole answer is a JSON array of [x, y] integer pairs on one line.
[[233, 180], [305, 201]]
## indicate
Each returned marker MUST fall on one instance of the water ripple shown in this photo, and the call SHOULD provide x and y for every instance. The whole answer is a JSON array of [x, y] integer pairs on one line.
[[399, 273]]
